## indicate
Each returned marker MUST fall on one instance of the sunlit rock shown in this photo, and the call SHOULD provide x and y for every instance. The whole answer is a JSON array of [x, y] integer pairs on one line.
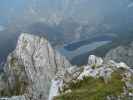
[[95, 61], [32, 65]]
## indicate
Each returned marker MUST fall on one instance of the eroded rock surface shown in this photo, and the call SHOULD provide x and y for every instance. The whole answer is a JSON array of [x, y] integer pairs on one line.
[[35, 71], [122, 53], [32, 66], [97, 69]]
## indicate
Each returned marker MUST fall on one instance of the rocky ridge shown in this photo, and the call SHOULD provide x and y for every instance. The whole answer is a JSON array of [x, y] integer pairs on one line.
[[32, 66], [105, 74], [35, 71], [122, 53]]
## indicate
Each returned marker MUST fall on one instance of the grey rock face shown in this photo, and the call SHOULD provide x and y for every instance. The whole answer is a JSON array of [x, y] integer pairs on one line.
[[34, 63], [122, 53], [93, 60]]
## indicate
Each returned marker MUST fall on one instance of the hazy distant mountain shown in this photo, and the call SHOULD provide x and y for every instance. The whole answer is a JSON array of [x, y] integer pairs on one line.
[[51, 11], [63, 21]]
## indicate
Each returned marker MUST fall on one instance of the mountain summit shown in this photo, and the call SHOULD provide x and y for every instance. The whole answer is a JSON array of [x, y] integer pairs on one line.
[[31, 67], [35, 71]]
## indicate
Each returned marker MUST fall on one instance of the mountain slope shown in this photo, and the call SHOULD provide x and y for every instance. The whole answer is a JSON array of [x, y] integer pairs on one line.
[[122, 53], [99, 80], [35, 71]]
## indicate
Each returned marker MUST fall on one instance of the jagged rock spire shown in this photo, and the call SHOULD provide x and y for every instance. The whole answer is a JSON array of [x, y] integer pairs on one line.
[[93, 60], [38, 63]]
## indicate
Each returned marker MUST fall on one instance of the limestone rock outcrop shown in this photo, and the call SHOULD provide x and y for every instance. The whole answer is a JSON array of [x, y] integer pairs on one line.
[[95, 61], [122, 53], [97, 69], [32, 66]]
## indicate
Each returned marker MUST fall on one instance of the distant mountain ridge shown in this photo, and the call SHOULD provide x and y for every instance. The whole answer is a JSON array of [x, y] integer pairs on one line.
[[122, 53]]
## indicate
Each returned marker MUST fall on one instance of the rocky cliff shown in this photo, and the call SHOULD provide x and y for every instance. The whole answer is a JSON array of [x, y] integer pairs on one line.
[[35, 71], [122, 53], [32, 66]]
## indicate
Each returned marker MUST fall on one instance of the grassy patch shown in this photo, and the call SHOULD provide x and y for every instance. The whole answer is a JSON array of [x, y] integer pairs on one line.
[[94, 89], [94, 66]]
